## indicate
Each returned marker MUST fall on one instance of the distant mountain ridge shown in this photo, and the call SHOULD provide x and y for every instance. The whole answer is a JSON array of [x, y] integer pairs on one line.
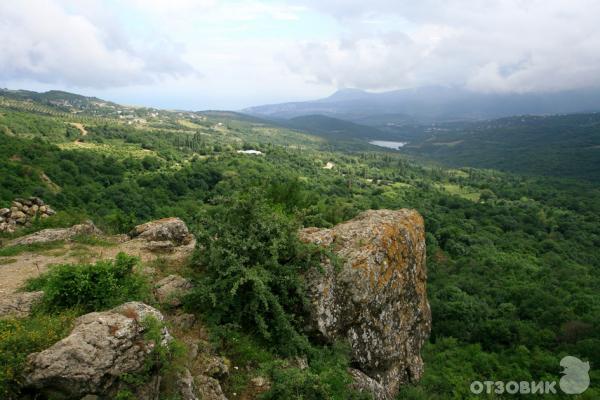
[[60, 99], [433, 104]]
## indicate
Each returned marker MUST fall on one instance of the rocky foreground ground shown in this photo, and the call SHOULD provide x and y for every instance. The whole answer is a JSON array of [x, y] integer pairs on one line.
[[376, 300]]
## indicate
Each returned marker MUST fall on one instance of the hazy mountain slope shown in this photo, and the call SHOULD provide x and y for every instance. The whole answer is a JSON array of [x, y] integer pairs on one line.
[[429, 104], [334, 128]]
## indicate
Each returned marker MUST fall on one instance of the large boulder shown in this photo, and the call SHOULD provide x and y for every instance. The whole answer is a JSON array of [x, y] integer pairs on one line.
[[18, 304], [53, 235], [163, 230], [101, 348], [377, 298]]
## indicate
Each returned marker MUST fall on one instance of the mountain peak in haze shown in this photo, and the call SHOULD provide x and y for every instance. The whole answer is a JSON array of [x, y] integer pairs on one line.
[[347, 94], [435, 104]]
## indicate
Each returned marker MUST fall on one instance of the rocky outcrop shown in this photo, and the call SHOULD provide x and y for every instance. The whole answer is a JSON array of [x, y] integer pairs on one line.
[[18, 304], [53, 235], [21, 212], [172, 230], [364, 383], [168, 237], [186, 386], [101, 348], [171, 289], [184, 321], [208, 369], [377, 298], [209, 388]]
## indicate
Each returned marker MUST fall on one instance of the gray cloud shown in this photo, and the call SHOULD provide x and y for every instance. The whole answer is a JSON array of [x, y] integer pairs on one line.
[[505, 45], [40, 41]]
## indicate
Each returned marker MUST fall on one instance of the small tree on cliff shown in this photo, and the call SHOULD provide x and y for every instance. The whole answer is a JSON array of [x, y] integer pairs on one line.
[[249, 262]]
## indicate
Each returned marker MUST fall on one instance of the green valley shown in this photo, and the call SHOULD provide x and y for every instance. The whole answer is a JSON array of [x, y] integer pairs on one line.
[[512, 259]]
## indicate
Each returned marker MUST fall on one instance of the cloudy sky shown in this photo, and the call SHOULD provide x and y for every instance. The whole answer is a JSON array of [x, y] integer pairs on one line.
[[231, 54]]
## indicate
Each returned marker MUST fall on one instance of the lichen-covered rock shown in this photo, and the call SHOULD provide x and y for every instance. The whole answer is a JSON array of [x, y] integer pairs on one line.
[[99, 350], [171, 289], [52, 235], [166, 229], [138, 311], [214, 366], [18, 304], [163, 246], [186, 386], [377, 299], [209, 388], [260, 382], [364, 383], [18, 216]]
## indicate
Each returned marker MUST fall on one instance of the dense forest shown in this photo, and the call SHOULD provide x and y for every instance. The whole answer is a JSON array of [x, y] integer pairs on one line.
[[555, 145], [512, 259]]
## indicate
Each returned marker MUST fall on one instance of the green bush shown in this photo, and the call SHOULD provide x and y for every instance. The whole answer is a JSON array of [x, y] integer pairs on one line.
[[166, 359], [325, 378], [21, 337], [91, 287], [250, 263]]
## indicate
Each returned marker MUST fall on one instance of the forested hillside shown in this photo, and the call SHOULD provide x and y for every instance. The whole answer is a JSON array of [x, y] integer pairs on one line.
[[558, 145], [512, 260]]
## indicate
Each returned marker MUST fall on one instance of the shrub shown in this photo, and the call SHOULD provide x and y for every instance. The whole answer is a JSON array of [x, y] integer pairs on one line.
[[21, 337], [166, 359], [250, 263], [326, 378], [91, 287]]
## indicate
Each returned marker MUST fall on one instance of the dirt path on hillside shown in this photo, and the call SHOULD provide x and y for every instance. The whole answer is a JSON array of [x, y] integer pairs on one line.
[[80, 127]]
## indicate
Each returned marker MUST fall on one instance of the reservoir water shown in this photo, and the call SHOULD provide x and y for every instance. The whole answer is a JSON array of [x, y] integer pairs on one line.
[[388, 144]]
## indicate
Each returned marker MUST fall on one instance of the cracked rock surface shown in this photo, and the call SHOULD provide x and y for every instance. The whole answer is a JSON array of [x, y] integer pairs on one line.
[[377, 298], [101, 347]]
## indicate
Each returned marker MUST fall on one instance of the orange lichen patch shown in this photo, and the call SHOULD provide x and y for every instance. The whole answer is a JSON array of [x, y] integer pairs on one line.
[[141, 345], [386, 277], [396, 253], [362, 265], [112, 329], [130, 313]]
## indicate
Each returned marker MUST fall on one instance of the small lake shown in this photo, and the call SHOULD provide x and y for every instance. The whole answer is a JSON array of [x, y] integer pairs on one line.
[[389, 145]]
